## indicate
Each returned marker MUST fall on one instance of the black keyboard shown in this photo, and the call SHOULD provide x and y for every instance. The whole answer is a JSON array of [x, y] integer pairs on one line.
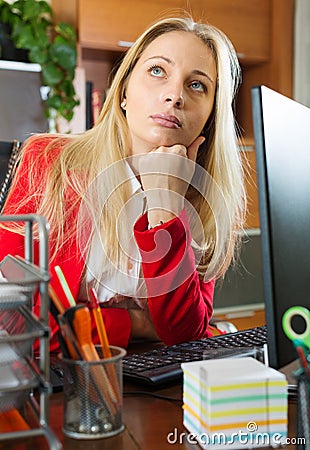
[[163, 365]]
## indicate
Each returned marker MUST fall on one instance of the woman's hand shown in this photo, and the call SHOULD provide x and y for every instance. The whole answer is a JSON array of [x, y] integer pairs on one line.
[[141, 325], [165, 175]]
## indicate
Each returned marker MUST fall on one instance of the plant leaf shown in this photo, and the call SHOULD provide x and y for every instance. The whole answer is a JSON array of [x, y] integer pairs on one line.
[[39, 56], [33, 10], [51, 74], [67, 31], [41, 32], [63, 53], [54, 47], [54, 101], [23, 36]]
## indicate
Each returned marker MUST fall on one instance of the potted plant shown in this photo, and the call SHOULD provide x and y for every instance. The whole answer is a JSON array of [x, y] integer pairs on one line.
[[30, 25]]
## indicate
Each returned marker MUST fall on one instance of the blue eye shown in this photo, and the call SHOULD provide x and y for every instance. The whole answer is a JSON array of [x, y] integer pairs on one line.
[[157, 71], [198, 86]]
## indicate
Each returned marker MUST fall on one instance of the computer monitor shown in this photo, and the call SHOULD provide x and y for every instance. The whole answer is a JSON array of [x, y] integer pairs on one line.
[[22, 107], [282, 145]]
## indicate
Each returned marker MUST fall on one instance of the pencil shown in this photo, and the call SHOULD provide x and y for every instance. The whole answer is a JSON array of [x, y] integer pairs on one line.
[[57, 303], [100, 324], [103, 338], [65, 285]]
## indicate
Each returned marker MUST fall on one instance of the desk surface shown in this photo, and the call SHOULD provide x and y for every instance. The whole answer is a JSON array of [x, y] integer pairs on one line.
[[149, 421]]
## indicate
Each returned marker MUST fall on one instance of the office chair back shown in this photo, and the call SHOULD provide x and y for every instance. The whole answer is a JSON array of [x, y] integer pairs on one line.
[[8, 155]]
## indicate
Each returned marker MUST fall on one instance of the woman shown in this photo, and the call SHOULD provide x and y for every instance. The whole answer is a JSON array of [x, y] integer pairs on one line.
[[145, 206]]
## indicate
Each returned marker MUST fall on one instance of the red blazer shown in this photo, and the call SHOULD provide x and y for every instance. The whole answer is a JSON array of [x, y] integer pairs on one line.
[[183, 308]]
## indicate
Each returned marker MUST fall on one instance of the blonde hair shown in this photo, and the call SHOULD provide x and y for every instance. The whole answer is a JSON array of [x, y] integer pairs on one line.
[[85, 156]]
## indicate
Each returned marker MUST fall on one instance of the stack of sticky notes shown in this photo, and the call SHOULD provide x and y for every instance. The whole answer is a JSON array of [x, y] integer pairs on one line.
[[234, 403]]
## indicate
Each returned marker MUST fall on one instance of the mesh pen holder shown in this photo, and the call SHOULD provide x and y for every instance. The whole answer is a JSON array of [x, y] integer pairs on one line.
[[93, 396], [303, 410]]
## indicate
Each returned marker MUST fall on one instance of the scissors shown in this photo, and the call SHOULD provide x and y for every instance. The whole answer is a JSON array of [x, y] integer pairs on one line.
[[287, 325], [301, 341]]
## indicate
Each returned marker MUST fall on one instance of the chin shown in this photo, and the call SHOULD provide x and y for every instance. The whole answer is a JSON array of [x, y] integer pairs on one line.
[[141, 146], [164, 137], [169, 142]]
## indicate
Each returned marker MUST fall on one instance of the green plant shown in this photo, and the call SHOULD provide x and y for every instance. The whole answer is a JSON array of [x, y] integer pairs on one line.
[[53, 46]]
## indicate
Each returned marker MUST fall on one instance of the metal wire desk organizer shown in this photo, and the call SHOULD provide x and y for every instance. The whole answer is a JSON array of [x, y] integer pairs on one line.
[[24, 385], [303, 409]]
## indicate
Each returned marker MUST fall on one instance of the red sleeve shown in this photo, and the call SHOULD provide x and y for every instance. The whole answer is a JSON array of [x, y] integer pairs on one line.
[[179, 302], [117, 321]]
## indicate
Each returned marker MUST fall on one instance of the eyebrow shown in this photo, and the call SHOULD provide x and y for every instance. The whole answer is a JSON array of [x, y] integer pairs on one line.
[[170, 61]]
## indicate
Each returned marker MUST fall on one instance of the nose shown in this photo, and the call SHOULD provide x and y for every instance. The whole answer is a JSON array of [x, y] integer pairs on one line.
[[178, 102], [174, 95]]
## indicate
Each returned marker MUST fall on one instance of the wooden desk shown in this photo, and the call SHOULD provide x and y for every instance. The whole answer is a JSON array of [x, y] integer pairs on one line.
[[148, 422]]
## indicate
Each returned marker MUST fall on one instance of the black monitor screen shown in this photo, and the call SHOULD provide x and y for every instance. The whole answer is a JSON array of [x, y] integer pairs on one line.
[[282, 144]]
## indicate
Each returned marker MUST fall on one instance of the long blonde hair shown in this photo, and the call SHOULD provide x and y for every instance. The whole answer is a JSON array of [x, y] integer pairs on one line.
[[85, 156]]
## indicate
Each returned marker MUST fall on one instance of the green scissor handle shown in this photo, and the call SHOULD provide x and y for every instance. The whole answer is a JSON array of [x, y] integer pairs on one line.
[[287, 326]]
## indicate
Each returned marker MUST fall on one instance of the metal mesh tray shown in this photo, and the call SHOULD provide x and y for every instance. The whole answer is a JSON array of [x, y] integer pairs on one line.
[[17, 379], [18, 331], [13, 296], [17, 271], [18, 281]]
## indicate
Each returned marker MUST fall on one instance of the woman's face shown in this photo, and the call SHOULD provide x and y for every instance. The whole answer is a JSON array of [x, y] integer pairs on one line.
[[170, 92]]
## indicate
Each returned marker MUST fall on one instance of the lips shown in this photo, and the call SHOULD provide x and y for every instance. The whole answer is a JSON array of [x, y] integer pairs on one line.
[[166, 120]]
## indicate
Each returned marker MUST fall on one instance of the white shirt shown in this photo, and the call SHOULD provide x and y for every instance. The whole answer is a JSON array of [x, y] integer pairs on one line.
[[120, 285]]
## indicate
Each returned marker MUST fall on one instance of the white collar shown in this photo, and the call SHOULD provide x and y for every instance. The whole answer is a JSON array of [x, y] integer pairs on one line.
[[135, 183]]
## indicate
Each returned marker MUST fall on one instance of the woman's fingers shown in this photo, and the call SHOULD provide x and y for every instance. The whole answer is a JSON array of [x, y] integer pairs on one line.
[[193, 148]]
